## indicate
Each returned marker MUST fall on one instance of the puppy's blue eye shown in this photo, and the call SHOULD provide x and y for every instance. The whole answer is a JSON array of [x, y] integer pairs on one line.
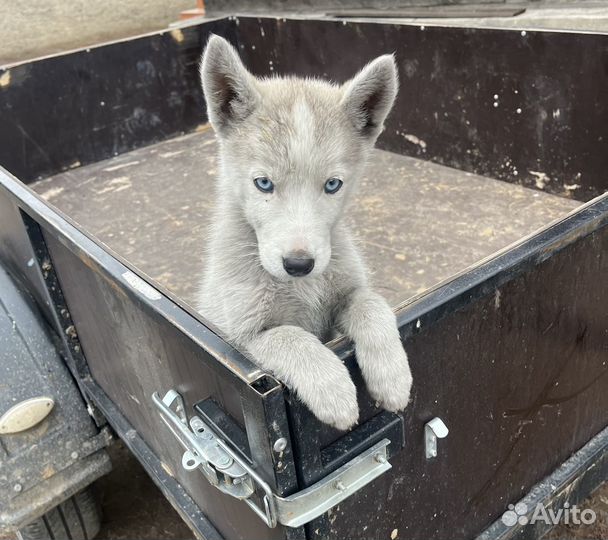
[[263, 184], [333, 185]]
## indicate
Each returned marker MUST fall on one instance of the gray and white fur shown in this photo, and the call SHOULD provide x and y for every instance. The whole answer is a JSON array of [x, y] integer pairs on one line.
[[296, 134]]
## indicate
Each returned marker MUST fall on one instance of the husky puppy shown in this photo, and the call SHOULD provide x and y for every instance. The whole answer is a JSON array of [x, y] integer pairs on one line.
[[282, 273]]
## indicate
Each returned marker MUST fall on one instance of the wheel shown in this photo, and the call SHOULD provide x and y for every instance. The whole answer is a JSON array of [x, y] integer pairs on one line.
[[78, 518]]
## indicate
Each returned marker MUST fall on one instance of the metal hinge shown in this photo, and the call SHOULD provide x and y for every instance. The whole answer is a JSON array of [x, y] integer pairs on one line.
[[231, 474]]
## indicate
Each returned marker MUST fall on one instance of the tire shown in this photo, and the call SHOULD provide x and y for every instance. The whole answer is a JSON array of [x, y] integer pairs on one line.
[[78, 518]]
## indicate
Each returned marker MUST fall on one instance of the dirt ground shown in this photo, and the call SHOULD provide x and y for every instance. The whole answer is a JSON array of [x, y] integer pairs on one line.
[[133, 507], [598, 502], [32, 28]]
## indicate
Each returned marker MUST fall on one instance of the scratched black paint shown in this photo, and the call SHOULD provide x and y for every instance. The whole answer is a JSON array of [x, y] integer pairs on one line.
[[82, 107]]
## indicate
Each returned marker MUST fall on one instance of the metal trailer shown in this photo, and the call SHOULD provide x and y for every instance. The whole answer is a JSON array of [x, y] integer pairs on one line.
[[510, 353]]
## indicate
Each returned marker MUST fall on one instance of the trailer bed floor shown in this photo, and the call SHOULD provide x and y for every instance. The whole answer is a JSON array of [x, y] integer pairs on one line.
[[417, 222]]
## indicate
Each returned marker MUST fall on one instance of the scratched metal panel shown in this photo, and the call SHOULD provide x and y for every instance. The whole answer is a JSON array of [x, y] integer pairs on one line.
[[546, 127], [81, 107], [131, 354]]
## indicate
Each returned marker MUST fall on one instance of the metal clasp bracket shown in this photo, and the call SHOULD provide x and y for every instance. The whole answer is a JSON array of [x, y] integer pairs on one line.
[[228, 472]]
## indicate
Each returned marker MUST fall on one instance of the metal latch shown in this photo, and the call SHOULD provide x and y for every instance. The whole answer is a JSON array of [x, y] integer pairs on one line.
[[231, 474], [434, 429]]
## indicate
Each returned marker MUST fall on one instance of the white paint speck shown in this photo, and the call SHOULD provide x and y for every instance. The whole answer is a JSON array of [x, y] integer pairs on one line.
[[140, 285], [415, 140], [115, 185], [556, 113], [5, 78], [497, 299], [422, 28], [518, 111], [523, 32], [52, 192], [121, 166], [541, 179], [166, 155], [496, 104], [571, 187], [495, 96]]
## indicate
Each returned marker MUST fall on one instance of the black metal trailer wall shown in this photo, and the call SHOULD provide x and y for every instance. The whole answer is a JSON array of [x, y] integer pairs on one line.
[[102, 101], [522, 106], [511, 355]]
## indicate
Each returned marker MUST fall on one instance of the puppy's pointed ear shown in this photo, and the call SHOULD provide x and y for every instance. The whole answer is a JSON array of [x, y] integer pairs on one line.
[[369, 96], [230, 90]]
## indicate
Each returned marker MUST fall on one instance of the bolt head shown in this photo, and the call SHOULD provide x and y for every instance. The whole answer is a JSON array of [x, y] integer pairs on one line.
[[379, 458], [280, 445], [224, 461]]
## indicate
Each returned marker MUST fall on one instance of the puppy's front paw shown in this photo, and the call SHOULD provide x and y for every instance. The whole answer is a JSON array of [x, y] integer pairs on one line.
[[338, 406], [330, 393], [388, 376]]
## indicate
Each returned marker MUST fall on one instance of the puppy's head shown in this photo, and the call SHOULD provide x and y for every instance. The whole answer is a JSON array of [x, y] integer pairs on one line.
[[292, 151]]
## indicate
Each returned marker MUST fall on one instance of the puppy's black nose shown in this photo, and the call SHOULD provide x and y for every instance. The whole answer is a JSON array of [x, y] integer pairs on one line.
[[298, 265]]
